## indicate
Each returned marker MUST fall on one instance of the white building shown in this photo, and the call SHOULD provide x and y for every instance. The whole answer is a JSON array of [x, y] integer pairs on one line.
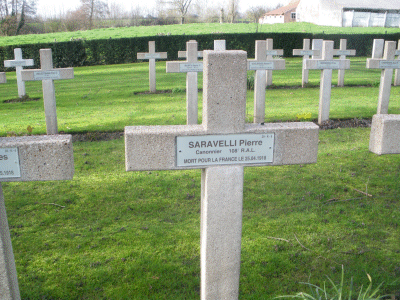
[[284, 14], [350, 13]]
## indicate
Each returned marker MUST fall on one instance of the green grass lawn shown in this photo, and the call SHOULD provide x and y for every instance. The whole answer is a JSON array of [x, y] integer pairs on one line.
[[119, 235], [107, 98], [195, 28]]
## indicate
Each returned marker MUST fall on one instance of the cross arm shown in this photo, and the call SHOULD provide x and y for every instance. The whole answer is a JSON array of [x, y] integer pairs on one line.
[[302, 52], [158, 55], [337, 52], [321, 64], [373, 63], [55, 74], [273, 64], [183, 54], [154, 147], [183, 67], [18, 63], [277, 52], [40, 158]]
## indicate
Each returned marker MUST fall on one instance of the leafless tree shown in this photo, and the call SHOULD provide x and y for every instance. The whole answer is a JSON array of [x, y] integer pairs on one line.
[[14, 15], [93, 9], [255, 13], [181, 7], [233, 10]]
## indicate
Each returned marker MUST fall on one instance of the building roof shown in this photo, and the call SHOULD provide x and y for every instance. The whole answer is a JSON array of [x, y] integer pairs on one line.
[[369, 4], [283, 9]]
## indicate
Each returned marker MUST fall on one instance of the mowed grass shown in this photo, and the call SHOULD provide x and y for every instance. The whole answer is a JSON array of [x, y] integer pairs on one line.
[[135, 235], [107, 98], [194, 28], [110, 234]]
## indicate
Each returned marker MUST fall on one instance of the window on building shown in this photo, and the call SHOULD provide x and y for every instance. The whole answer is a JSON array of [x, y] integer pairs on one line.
[[293, 15]]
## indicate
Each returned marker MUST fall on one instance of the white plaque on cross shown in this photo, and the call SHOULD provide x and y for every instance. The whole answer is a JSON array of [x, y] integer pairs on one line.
[[387, 64], [222, 136], [262, 64], [47, 74], [326, 64], [152, 55], [306, 52], [28, 158], [191, 67], [342, 52], [18, 63]]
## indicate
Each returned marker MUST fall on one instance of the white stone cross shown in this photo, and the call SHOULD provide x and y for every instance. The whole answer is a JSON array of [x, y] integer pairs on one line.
[[221, 146], [219, 45], [397, 72], [317, 45], [152, 55], [342, 52], [191, 67], [306, 52], [18, 63], [3, 77], [387, 64], [47, 74], [271, 52], [28, 158], [261, 65], [326, 64]]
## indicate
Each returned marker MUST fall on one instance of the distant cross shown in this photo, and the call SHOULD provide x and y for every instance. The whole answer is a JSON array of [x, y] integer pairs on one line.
[[397, 72], [191, 67], [152, 55], [3, 77], [18, 63], [326, 64], [317, 45], [221, 146], [47, 74], [261, 65], [219, 45], [306, 52], [342, 52], [28, 158], [271, 52], [387, 64]]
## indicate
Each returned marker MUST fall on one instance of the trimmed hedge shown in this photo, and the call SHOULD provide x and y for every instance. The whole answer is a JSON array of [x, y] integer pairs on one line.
[[120, 51]]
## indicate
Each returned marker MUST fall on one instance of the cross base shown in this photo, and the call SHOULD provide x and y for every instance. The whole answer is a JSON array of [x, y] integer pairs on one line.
[[384, 136]]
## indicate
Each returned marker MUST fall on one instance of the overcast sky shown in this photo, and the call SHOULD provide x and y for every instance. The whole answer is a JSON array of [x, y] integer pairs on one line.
[[54, 7]]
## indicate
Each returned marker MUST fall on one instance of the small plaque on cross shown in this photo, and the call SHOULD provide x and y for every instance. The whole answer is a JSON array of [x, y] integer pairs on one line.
[[9, 163]]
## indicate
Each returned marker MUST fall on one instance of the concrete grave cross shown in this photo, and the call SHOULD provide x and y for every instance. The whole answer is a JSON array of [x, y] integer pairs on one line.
[[317, 45], [306, 52], [397, 72], [219, 45], [47, 74], [152, 55], [191, 67], [342, 52], [271, 52], [3, 77], [261, 65], [326, 64], [221, 146], [387, 64], [28, 158], [18, 63]]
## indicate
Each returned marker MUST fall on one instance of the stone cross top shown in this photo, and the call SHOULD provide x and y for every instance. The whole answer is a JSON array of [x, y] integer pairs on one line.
[[191, 67], [261, 65], [342, 52], [29, 158], [3, 77], [47, 74], [152, 55], [326, 64], [221, 146], [18, 63], [271, 52], [306, 52], [387, 64]]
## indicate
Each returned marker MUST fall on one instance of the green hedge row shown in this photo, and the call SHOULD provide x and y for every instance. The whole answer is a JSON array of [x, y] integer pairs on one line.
[[119, 51]]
